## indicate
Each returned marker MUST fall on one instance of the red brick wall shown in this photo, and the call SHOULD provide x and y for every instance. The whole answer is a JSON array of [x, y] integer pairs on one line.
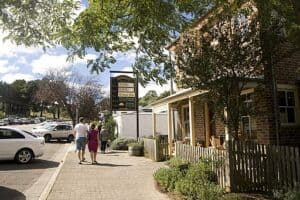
[[287, 67], [199, 121], [219, 127], [287, 70]]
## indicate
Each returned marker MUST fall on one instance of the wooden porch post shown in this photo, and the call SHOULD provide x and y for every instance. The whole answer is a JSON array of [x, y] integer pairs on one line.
[[192, 122], [154, 123], [170, 125], [227, 136], [207, 125]]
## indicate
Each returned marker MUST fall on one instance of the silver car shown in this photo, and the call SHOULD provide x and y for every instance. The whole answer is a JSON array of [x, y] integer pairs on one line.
[[55, 131]]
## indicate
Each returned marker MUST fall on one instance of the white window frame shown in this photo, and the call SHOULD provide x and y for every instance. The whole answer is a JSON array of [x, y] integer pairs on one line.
[[185, 121], [289, 88], [246, 92]]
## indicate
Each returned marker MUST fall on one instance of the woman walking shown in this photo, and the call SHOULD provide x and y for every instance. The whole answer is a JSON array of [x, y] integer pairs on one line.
[[93, 141]]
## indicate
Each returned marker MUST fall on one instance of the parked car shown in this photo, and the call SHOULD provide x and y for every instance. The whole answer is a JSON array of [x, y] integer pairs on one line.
[[19, 145], [4, 122], [55, 131], [43, 125]]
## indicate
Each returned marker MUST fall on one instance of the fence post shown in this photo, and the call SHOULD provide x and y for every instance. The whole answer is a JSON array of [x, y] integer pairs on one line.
[[227, 167], [175, 149], [156, 150]]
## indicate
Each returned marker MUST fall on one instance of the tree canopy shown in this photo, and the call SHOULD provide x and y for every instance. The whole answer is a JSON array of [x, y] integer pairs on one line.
[[109, 26]]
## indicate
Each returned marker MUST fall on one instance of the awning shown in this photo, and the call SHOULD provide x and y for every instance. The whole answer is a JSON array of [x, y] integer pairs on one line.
[[161, 105]]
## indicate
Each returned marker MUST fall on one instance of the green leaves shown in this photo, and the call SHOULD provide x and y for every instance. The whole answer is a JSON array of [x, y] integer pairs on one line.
[[36, 23]]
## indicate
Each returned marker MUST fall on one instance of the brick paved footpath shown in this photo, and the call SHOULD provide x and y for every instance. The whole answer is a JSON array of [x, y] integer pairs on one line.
[[117, 177]]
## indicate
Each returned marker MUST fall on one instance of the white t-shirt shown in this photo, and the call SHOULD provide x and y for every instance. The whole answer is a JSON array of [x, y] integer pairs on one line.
[[81, 130]]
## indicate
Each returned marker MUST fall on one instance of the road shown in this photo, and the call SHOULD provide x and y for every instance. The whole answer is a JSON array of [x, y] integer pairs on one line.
[[28, 181]]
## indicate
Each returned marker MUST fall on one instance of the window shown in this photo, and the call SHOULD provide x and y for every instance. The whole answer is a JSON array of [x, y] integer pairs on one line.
[[248, 122], [286, 101], [248, 98], [10, 134], [186, 121]]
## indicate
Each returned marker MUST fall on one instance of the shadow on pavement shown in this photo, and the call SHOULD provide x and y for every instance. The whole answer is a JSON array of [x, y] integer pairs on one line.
[[111, 165], [35, 164], [114, 152], [7, 193], [58, 142]]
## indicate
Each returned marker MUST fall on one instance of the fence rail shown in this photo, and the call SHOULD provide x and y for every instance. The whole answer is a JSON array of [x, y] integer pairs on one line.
[[249, 167]]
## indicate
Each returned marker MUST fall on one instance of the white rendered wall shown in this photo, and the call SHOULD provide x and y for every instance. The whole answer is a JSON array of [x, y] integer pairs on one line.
[[126, 124]]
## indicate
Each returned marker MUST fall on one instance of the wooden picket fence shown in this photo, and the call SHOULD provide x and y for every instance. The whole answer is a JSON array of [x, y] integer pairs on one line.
[[249, 167], [262, 168], [194, 153], [156, 149]]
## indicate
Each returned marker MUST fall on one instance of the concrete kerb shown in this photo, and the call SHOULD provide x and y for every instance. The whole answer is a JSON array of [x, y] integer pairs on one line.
[[50, 184]]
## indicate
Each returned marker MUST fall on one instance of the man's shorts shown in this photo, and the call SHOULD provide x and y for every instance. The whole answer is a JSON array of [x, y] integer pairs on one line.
[[80, 144]]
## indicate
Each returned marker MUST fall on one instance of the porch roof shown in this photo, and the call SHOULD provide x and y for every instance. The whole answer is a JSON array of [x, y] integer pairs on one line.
[[180, 95]]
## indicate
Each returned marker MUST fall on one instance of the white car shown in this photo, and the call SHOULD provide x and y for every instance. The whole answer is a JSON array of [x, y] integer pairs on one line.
[[55, 131], [19, 145]]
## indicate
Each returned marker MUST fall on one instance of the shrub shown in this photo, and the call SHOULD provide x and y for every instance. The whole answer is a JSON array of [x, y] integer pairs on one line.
[[178, 163], [199, 182], [167, 178], [121, 143], [136, 145], [2, 114], [287, 194]]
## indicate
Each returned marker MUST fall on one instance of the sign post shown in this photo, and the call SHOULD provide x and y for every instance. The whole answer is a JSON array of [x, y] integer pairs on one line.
[[124, 94]]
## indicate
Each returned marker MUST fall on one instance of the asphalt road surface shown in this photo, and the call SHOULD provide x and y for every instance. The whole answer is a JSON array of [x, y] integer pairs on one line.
[[19, 181]]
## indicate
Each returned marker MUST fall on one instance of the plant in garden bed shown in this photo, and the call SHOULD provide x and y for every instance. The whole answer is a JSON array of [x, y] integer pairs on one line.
[[178, 163], [287, 194], [136, 148], [121, 143], [200, 182], [167, 178], [192, 181]]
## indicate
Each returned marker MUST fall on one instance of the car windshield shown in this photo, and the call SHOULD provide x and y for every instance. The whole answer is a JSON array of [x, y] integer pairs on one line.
[[50, 126], [29, 133]]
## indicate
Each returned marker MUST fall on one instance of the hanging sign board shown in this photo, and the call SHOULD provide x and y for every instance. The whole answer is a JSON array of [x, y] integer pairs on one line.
[[123, 93]]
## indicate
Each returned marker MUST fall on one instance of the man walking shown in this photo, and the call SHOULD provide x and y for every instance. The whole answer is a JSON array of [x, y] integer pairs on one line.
[[80, 132], [104, 137]]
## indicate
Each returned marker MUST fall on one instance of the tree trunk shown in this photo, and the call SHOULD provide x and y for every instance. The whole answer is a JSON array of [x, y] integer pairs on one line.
[[296, 5], [264, 16]]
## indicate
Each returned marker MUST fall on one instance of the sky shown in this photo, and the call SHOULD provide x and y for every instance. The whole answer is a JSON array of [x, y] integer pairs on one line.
[[30, 63]]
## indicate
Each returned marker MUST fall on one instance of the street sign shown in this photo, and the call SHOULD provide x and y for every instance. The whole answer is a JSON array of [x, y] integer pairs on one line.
[[123, 93]]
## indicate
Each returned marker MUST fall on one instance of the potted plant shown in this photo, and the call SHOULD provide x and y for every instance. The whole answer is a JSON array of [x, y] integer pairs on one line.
[[136, 149]]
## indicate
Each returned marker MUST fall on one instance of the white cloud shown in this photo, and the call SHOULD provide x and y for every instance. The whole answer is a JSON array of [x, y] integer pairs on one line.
[[9, 78], [48, 62], [10, 49], [5, 68]]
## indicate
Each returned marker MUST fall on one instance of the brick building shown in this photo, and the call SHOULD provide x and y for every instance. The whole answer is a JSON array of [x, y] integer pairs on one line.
[[196, 125]]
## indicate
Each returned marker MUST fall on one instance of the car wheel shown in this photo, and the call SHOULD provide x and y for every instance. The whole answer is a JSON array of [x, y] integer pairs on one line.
[[24, 156], [47, 138], [70, 138]]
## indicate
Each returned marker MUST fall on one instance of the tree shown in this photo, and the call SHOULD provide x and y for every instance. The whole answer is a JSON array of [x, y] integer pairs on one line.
[[36, 22], [163, 95], [205, 62], [73, 92], [109, 26], [149, 97]]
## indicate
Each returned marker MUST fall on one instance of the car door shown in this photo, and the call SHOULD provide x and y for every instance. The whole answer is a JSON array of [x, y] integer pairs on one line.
[[66, 129], [57, 131], [10, 142]]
